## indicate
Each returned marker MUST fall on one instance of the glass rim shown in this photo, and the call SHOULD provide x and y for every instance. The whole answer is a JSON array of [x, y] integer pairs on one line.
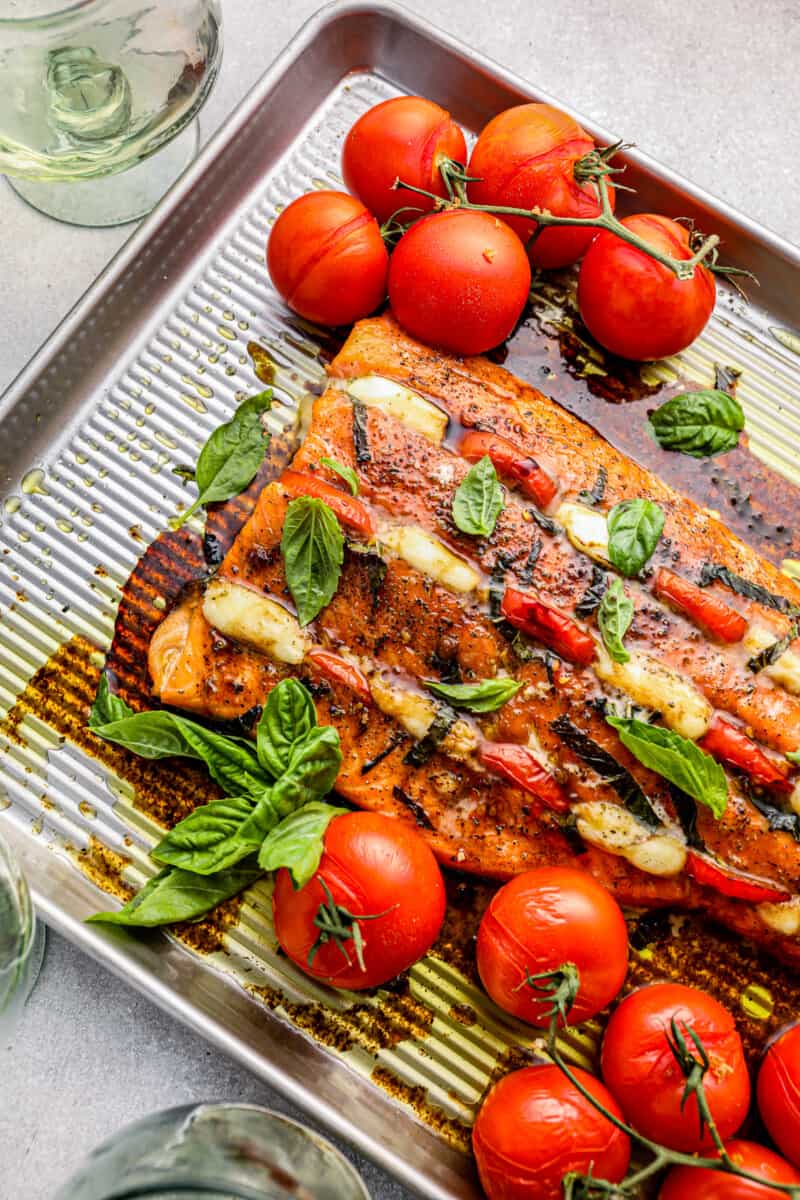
[[58, 12], [10, 866]]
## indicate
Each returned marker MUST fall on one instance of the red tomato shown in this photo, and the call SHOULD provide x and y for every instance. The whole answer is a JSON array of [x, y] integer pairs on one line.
[[636, 307], [693, 1183], [778, 1092], [405, 138], [535, 1126], [542, 919], [384, 875], [327, 260], [525, 158], [459, 280], [639, 1068]]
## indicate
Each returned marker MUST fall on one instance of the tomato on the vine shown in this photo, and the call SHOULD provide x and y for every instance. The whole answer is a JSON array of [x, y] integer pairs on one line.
[[778, 1092], [535, 1126], [541, 919], [701, 1183], [327, 259], [635, 306], [527, 157], [459, 280], [404, 138], [644, 1076], [379, 894]]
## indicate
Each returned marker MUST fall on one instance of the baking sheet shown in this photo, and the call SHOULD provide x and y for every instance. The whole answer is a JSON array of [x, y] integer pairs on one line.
[[150, 361]]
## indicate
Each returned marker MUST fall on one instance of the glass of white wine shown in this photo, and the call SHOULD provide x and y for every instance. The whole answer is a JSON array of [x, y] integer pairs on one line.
[[21, 943], [99, 99]]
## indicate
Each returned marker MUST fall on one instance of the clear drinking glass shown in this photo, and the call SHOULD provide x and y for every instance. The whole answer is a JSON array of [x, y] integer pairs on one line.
[[216, 1152], [90, 90], [21, 943]]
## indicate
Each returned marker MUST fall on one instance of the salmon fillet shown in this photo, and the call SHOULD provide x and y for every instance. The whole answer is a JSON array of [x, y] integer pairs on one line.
[[418, 599]]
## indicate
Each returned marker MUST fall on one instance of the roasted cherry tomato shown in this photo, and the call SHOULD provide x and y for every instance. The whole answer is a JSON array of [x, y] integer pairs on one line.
[[700, 1183], [636, 307], [527, 157], [351, 512], [729, 744], [374, 906], [641, 1071], [549, 626], [510, 463], [535, 1126], [541, 919], [459, 280], [327, 260], [701, 606], [404, 138], [778, 1092], [519, 765], [339, 670], [730, 882]]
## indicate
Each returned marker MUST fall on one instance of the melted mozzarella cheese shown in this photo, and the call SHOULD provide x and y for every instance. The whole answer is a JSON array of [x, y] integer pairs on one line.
[[652, 685], [782, 918], [614, 829], [786, 669], [248, 617], [586, 528], [429, 555], [408, 407], [416, 713]]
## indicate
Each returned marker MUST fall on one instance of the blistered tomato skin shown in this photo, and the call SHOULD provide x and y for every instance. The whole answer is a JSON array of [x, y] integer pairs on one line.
[[635, 306], [535, 1126], [540, 920], [778, 1092], [642, 1073], [404, 138], [691, 1183], [327, 260], [525, 158]]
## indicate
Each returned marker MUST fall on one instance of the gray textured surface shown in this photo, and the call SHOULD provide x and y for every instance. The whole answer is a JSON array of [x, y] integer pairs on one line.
[[707, 90]]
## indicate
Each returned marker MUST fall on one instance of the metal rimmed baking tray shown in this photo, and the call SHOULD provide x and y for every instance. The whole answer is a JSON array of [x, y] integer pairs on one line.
[[150, 360]]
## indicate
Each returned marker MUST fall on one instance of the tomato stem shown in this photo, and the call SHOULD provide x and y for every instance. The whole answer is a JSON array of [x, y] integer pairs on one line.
[[338, 925]]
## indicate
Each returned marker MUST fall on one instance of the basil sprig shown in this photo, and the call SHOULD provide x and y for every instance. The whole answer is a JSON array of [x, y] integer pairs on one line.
[[175, 895], [344, 472], [487, 695], [229, 461], [478, 500], [634, 527], [297, 842], [614, 618], [677, 759], [698, 423], [313, 551]]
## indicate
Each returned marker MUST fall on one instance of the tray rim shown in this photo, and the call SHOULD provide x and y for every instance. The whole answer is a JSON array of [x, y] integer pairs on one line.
[[118, 950]]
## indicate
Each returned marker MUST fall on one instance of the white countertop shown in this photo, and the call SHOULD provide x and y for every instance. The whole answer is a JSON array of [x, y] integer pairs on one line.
[[707, 89]]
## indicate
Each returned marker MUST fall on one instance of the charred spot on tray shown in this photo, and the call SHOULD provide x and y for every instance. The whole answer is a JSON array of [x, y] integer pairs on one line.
[[650, 927]]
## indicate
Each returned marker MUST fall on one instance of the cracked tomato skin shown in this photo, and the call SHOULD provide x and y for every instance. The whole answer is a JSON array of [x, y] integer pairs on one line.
[[525, 158], [372, 865], [327, 260], [404, 138], [778, 1092], [693, 1183], [535, 1126], [540, 920], [636, 307], [642, 1073], [459, 280]]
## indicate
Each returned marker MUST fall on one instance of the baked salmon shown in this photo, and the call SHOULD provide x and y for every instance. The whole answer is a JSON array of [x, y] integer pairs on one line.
[[714, 654]]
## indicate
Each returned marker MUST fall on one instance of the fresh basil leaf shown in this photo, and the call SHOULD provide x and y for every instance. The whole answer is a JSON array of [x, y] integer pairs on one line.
[[346, 473], [485, 696], [676, 759], [794, 757], [107, 707], [634, 527], [698, 423], [313, 550], [478, 500], [298, 841], [614, 619], [230, 459], [213, 837], [231, 762], [175, 895], [312, 770], [287, 719]]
